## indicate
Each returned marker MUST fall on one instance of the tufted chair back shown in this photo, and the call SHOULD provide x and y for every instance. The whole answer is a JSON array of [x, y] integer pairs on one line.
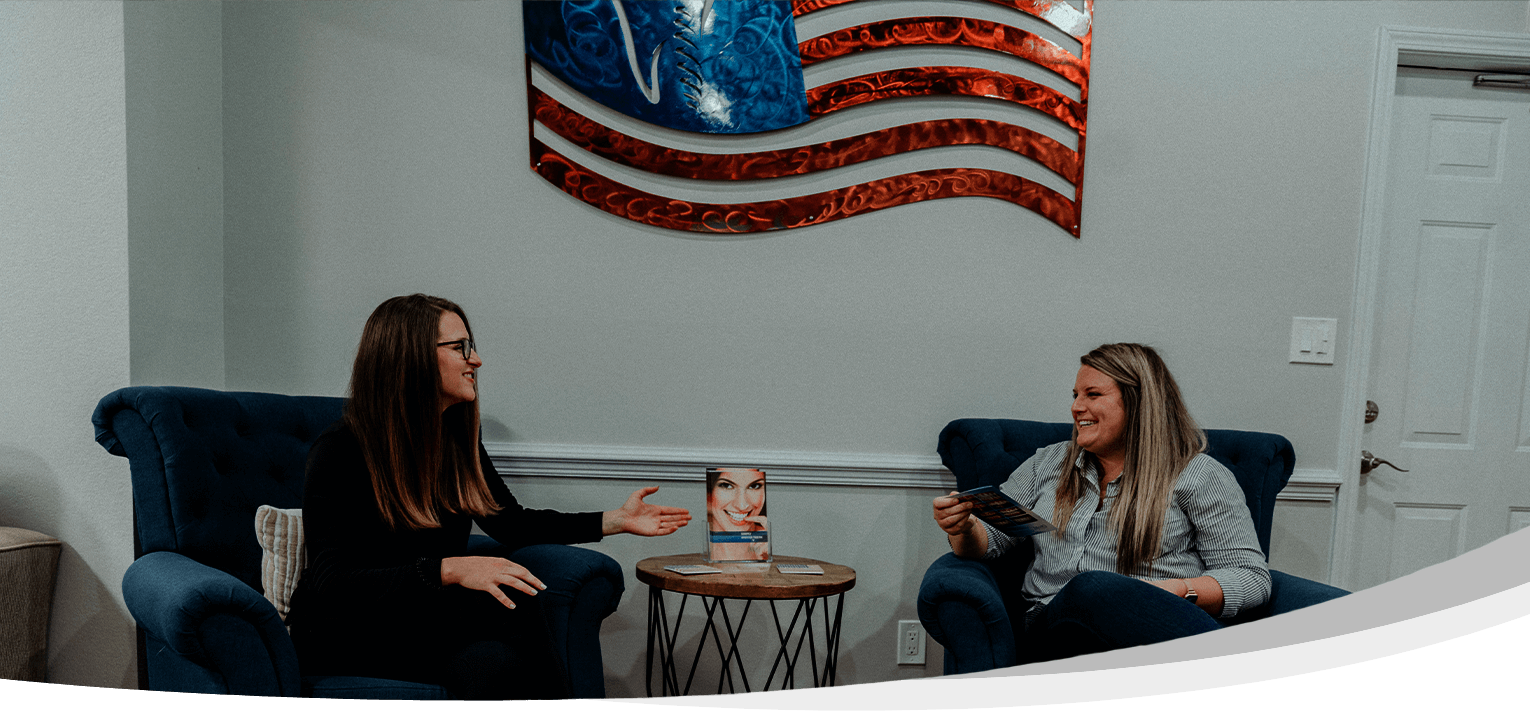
[[202, 461], [984, 451]]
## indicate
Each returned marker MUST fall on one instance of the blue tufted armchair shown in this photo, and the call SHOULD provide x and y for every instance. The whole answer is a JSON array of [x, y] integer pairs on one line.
[[202, 461], [966, 605]]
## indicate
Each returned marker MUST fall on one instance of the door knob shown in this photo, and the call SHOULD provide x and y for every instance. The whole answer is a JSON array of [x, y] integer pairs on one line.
[[1369, 462], [1371, 411]]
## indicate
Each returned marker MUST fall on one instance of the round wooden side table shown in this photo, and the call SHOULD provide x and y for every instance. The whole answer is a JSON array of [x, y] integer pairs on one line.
[[741, 583]]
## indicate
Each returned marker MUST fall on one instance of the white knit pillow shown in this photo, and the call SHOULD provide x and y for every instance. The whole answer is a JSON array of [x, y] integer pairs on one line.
[[282, 557]]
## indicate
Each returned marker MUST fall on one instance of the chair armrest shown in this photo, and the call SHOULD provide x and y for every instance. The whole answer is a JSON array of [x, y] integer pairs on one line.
[[1289, 592], [962, 608], [583, 588], [225, 637]]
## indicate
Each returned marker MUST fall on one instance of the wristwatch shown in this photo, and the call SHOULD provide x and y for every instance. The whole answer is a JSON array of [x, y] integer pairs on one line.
[[1189, 592]]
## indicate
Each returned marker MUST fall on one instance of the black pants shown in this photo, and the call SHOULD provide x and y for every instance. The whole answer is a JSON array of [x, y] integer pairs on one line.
[[461, 639], [1098, 611]]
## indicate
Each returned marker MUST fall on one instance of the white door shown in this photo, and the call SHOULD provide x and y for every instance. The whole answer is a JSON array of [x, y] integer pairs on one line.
[[1450, 361]]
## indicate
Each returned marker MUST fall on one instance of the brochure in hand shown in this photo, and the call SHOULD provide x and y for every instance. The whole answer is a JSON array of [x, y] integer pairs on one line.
[[1004, 514]]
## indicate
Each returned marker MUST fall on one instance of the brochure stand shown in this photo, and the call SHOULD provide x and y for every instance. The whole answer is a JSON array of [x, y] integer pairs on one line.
[[737, 529]]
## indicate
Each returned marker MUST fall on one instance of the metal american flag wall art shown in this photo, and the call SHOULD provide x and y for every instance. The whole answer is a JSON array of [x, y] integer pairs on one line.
[[713, 117]]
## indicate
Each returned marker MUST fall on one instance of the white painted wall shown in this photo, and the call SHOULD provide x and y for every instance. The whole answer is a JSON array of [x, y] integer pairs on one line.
[[64, 335], [372, 149]]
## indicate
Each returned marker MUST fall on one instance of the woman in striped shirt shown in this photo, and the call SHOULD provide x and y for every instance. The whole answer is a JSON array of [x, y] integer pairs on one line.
[[1154, 540]]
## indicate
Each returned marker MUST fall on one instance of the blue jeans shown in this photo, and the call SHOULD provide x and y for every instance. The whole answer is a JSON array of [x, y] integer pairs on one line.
[[1098, 611]]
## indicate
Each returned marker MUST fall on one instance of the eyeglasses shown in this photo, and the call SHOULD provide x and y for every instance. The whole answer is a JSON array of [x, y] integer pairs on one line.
[[463, 346]]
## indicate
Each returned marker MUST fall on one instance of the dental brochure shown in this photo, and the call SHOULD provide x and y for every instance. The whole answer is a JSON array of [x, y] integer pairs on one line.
[[737, 530], [999, 510]]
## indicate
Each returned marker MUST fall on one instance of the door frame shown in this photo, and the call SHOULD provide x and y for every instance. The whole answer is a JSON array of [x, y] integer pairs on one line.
[[1462, 49]]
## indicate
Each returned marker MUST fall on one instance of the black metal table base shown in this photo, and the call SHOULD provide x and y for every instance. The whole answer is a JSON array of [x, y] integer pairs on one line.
[[724, 638]]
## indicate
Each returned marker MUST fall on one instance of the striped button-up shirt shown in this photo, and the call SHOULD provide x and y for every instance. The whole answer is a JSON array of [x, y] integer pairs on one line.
[[1207, 531]]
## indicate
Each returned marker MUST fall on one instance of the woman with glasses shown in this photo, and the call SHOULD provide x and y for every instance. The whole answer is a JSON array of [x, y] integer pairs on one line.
[[390, 496]]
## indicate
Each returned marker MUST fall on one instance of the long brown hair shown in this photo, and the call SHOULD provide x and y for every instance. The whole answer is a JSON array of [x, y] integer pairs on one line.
[[422, 461], [1161, 439]]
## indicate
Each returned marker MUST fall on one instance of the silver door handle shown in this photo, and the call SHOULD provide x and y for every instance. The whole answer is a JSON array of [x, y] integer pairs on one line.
[[1369, 462]]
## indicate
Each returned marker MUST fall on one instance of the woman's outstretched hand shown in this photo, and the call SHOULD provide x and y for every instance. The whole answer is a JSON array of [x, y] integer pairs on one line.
[[640, 518], [480, 572]]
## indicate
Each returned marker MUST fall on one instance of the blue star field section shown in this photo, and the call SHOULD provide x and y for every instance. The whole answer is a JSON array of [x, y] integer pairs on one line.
[[723, 67]]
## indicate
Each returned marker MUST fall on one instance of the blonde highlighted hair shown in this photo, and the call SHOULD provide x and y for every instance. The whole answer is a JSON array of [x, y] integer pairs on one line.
[[1161, 438], [423, 461]]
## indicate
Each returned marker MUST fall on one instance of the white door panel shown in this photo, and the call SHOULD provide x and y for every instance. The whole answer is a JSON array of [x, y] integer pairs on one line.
[[1450, 362]]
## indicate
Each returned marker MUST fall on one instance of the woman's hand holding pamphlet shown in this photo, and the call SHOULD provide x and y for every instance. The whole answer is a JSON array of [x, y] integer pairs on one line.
[[1003, 513]]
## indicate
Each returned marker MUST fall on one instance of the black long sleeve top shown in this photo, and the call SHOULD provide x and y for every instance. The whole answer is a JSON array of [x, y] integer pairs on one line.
[[358, 566]]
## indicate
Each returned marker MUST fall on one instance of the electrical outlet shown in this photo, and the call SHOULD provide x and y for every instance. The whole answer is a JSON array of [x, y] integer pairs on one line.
[[910, 642]]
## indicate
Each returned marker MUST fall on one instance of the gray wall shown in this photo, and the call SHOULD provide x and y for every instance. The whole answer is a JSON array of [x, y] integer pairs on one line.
[[173, 75], [174, 67], [64, 335], [375, 149], [372, 149]]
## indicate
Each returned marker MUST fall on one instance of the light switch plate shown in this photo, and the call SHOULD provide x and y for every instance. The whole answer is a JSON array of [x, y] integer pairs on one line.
[[1312, 340]]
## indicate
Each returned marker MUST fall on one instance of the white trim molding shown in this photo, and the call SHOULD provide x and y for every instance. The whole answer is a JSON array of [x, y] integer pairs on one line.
[[649, 464], [863, 470], [1308, 484]]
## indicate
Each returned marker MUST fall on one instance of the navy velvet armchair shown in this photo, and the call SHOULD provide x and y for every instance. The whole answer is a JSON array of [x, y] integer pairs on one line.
[[966, 605], [202, 461]]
